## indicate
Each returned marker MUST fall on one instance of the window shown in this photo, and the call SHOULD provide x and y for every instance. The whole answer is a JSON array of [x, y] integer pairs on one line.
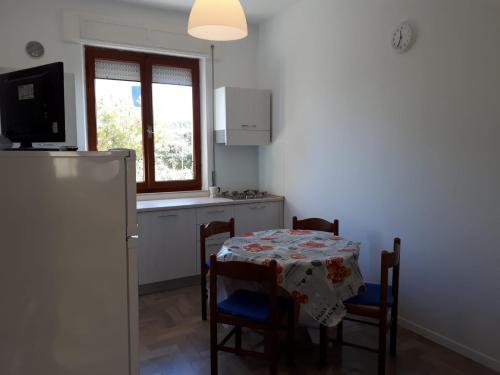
[[151, 104]]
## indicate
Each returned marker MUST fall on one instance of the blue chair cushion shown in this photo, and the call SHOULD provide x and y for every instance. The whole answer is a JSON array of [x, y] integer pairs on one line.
[[251, 305], [371, 296]]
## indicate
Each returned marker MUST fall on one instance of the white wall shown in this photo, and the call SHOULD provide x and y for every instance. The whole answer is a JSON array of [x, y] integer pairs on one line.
[[394, 144], [25, 20], [237, 167]]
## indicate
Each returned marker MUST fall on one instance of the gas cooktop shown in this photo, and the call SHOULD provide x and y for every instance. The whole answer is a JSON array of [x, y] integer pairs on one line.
[[244, 195]]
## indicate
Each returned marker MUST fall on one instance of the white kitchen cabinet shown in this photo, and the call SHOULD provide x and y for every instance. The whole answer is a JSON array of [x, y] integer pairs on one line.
[[167, 241], [215, 213], [258, 216], [213, 246], [243, 116], [214, 243]]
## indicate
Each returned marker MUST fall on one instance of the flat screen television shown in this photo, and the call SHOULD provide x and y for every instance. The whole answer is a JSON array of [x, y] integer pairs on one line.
[[32, 105]]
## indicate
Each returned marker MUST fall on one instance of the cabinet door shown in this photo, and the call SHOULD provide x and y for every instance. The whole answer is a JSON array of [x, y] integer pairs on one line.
[[258, 216], [262, 114], [215, 213], [213, 246], [248, 109], [167, 245], [206, 215]]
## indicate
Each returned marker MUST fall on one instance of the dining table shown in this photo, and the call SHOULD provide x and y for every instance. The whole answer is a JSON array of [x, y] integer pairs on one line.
[[319, 270]]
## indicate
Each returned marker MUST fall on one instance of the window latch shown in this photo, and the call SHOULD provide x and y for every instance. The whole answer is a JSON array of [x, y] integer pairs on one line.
[[150, 131]]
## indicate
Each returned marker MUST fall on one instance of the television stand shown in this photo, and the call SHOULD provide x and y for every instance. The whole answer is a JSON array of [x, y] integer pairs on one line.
[[24, 147], [28, 146], [31, 149]]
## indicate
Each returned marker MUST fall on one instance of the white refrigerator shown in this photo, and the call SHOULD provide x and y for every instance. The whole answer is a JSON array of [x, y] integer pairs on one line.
[[68, 268]]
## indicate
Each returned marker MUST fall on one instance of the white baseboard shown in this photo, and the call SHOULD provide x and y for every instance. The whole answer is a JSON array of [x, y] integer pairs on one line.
[[451, 344]]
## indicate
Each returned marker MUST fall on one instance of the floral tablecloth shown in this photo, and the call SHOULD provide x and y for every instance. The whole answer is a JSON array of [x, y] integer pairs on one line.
[[318, 269]]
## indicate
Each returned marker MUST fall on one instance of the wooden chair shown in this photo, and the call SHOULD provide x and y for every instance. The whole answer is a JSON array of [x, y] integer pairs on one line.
[[254, 310], [375, 303], [206, 231], [316, 224], [323, 226]]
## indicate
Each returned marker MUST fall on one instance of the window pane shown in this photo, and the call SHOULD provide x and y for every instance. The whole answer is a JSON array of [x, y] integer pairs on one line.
[[119, 118], [173, 125]]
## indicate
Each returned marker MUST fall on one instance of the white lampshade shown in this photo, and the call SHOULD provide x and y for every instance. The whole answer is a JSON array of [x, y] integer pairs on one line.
[[218, 20]]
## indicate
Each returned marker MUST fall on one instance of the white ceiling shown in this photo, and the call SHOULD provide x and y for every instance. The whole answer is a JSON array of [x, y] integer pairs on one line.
[[256, 10]]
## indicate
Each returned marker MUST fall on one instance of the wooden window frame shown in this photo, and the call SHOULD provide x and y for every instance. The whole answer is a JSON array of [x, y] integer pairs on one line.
[[146, 62]]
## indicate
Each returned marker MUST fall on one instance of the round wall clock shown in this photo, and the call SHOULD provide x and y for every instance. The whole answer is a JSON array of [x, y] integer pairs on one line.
[[402, 38], [35, 49]]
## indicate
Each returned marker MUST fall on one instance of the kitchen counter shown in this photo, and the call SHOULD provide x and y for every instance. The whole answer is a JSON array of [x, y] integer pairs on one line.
[[178, 203], [169, 242]]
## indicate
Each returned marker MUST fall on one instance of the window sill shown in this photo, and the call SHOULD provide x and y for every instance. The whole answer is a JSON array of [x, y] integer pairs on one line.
[[173, 195]]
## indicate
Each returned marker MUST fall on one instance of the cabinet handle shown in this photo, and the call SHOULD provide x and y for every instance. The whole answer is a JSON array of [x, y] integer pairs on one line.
[[166, 216], [248, 126], [257, 207]]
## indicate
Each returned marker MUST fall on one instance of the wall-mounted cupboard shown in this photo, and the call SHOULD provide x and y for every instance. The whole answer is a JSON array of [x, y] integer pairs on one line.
[[242, 116]]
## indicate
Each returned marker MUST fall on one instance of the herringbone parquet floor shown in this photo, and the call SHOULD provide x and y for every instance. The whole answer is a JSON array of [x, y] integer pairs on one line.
[[175, 341]]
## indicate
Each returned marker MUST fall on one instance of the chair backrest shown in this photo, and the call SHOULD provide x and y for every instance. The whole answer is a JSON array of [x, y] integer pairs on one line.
[[390, 260], [266, 274], [316, 224], [209, 230]]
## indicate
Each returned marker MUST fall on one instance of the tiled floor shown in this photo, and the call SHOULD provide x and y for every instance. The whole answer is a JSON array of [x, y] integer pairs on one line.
[[175, 341]]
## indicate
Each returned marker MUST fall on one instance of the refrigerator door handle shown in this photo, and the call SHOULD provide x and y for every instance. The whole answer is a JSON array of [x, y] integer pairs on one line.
[[131, 194]]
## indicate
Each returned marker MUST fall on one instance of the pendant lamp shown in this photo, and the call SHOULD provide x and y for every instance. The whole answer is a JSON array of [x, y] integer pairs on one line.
[[218, 20]]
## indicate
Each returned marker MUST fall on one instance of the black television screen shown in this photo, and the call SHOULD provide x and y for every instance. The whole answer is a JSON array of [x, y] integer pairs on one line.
[[32, 105]]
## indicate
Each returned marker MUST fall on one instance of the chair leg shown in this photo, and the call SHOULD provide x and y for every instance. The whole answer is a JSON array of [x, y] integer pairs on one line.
[[323, 344], [237, 338], [291, 334], [204, 297], [340, 333], [382, 343], [213, 346], [272, 352], [394, 332]]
